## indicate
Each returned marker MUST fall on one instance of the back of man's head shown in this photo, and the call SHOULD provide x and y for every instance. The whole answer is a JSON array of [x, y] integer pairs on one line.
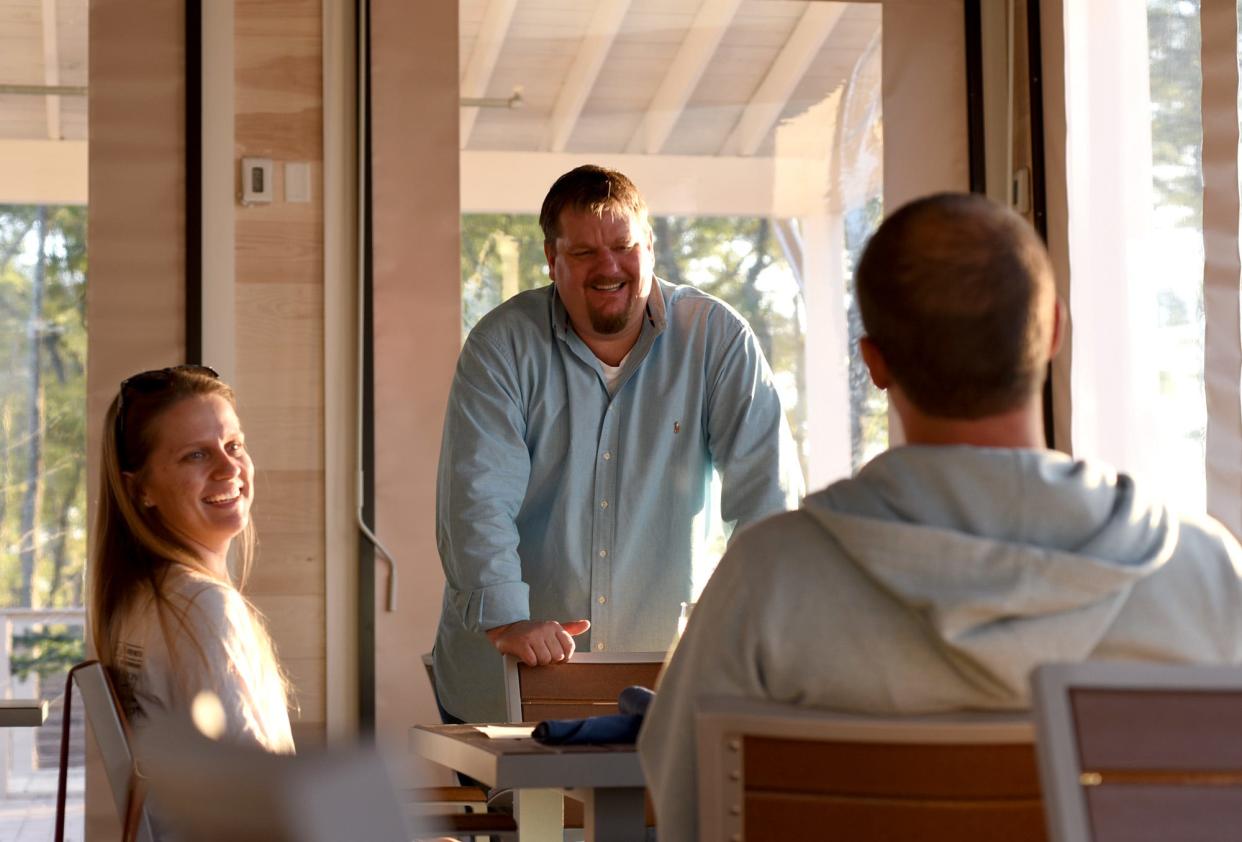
[[592, 189], [956, 293]]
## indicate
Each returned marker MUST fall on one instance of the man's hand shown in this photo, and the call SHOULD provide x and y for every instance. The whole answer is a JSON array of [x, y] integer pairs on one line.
[[538, 642]]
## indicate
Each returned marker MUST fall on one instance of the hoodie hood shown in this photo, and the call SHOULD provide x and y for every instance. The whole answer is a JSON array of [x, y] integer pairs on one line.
[[1011, 557]]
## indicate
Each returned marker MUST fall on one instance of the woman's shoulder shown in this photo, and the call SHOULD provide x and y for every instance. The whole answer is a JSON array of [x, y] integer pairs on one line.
[[203, 600]]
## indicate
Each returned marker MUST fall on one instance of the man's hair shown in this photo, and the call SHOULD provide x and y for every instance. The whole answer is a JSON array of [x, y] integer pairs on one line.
[[592, 189], [951, 289]]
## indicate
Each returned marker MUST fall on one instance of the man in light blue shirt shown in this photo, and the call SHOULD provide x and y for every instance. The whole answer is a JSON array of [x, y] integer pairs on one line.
[[582, 428]]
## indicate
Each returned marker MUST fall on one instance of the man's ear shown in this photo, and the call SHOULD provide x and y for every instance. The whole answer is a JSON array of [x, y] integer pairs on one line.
[[549, 252], [875, 363], [1060, 321]]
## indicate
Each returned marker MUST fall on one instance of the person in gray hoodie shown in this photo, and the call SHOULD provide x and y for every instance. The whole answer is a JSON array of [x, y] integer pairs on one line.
[[946, 569]]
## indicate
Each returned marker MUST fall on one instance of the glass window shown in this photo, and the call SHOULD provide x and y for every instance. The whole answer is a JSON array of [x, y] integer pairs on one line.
[[43, 510], [756, 140], [1175, 323], [1134, 150]]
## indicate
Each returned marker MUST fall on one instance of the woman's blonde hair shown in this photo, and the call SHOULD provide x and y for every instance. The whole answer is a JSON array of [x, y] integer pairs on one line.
[[134, 550]]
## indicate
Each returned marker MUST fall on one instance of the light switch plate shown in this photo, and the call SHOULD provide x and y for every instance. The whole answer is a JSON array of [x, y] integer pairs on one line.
[[297, 181]]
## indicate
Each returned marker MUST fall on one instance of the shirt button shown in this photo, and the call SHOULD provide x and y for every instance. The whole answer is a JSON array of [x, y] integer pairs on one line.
[[603, 553], [607, 455], [602, 599], [599, 647], [603, 504]]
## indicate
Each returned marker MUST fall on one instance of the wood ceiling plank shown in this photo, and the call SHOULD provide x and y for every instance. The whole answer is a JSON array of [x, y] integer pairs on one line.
[[769, 100], [51, 67], [596, 44], [487, 46], [709, 26]]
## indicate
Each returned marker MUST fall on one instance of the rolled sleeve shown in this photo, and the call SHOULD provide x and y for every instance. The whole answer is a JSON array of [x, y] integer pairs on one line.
[[489, 607]]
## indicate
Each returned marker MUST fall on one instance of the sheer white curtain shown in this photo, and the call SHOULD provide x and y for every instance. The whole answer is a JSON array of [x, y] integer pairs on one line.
[[1145, 246], [1109, 231]]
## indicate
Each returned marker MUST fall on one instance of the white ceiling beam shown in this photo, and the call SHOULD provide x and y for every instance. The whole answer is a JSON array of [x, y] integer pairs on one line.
[[51, 67], [709, 26], [681, 185], [765, 107], [601, 32], [487, 46], [43, 172]]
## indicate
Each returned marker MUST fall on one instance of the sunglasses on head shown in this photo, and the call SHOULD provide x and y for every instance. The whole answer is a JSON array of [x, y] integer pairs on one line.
[[149, 383]]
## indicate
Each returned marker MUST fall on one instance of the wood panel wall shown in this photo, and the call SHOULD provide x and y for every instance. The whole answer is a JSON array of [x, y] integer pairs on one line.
[[417, 294], [279, 329], [136, 293], [135, 297]]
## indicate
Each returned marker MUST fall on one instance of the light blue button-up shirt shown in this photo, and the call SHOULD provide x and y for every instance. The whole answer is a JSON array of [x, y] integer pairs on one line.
[[558, 500]]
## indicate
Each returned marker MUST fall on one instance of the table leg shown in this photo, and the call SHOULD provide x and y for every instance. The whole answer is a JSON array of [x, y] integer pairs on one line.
[[540, 814], [615, 814]]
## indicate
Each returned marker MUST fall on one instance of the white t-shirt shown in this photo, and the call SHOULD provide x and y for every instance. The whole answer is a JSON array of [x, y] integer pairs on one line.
[[230, 663], [612, 373]]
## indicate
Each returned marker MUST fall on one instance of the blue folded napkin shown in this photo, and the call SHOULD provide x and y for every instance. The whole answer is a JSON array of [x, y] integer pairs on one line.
[[594, 730], [635, 700], [619, 728]]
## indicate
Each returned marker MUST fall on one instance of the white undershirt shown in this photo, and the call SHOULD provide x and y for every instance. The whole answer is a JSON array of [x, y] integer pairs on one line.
[[612, 373]]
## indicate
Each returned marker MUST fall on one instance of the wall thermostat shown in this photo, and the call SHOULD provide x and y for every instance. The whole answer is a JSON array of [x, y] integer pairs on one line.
[[256, 181]]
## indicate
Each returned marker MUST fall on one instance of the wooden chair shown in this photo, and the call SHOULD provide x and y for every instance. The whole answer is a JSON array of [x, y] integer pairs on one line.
[[769, 772], [459, 810], [586, 685], [112, 735], [1138, 752]]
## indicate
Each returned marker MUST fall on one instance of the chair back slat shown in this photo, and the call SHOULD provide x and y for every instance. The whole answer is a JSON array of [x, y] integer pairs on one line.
[[1146, 813], [775, 816], [538, 710], [586, 685], [873, 769], [1181, 729]]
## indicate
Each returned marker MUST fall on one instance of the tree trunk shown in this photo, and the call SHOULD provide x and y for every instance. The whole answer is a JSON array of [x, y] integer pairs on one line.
[[6, 442], [29, 538], [750, 292], [60, 544]]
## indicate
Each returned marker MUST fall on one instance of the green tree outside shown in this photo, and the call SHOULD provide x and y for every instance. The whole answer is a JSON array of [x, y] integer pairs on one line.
[[737, 259], [43, 422]]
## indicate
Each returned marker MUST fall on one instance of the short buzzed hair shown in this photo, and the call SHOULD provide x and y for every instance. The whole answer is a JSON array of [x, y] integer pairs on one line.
[[953, 290], [592, 189]]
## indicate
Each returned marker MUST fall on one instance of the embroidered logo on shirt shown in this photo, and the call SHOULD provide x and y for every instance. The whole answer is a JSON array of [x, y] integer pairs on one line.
[[676, 427]]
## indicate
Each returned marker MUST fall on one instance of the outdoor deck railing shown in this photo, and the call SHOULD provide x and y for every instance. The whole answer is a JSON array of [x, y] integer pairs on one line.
[[20, 743]]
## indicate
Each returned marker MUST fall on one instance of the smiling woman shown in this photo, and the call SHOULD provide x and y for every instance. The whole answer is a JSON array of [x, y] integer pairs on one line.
[[166, 617]]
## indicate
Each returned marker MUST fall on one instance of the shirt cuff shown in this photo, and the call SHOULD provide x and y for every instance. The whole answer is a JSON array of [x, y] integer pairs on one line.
[[495, 605]]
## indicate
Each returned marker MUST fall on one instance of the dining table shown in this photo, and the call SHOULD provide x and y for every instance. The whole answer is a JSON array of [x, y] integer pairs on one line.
[[607, 779], [22, 713]]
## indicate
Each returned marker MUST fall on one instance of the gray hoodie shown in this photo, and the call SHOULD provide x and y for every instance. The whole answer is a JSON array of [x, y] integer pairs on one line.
[[935, 580]]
